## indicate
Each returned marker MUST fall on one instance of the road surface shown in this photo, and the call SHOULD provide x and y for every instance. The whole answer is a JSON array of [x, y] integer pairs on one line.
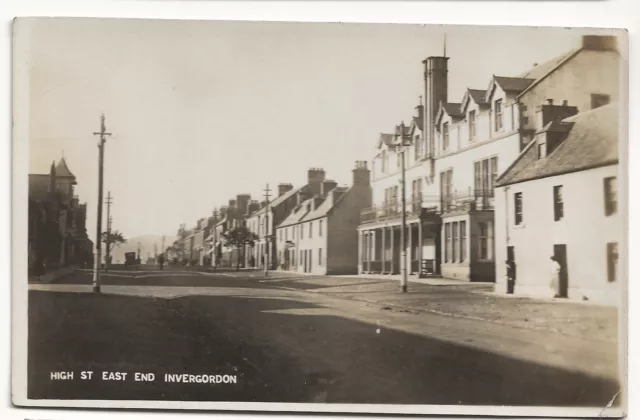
[[292, 345]]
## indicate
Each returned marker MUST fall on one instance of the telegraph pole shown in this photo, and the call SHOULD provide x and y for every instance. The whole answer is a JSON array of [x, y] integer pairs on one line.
[[214, 239], [404, 214], [107, 250], [96, 265], [266, 230]]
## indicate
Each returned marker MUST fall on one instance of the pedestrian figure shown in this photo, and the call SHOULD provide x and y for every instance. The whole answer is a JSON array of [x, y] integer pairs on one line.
[[161, 261], [555, 276], [252, 261], [511, 276]]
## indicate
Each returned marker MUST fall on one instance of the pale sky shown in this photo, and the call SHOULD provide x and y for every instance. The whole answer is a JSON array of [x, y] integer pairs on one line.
[[203, 111]]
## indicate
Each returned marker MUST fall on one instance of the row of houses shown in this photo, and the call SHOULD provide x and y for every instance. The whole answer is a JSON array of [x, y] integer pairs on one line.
[[57, 234], [520, 171], [308, 229]]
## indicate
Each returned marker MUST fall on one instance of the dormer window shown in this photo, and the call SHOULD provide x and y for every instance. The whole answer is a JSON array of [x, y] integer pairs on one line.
[[542, 149], [472, 125], [445, 136], [498, 114]]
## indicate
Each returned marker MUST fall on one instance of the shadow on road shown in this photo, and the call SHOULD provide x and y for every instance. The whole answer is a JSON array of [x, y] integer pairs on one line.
[[299, 354]]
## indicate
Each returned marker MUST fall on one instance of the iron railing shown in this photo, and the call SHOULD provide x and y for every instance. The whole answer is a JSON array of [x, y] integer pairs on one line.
[[392, 210], [469, 200]]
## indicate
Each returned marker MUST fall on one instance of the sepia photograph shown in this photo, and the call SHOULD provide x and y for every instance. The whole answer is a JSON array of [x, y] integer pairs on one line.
[[319, 217]]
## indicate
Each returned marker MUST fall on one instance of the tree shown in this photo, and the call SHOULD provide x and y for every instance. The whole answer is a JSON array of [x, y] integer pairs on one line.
[[238, 238], [112, 239]]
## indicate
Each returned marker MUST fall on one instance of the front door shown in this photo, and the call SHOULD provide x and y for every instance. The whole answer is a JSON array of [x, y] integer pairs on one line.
[[560, 253]]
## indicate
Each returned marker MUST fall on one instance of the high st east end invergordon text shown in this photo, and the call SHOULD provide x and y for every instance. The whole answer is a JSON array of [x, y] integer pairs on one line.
[[146, 377]]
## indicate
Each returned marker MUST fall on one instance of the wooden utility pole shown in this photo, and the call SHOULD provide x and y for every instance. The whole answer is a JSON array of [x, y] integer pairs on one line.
[[403, 239], [214, 239], [107, 250], [96, 265], [267, 194]]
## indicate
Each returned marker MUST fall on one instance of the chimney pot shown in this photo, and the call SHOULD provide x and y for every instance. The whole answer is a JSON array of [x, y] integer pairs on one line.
[[565, 103], [550, 101]]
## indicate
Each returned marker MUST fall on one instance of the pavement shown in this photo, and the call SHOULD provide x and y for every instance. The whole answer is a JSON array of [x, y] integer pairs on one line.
[[319, 339]]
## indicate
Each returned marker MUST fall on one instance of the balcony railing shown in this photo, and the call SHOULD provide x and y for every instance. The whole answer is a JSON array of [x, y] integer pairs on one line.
[[392, 210], [470, 200]]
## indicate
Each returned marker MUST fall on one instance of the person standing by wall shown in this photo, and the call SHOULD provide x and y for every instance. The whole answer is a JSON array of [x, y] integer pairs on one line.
[[555, 277], [511, 276]]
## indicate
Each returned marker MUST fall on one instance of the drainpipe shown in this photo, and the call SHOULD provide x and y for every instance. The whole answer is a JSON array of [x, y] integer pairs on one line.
[[506, 214]]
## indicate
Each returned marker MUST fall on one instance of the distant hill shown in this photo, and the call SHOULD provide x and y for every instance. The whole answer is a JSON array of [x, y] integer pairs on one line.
[[146, 242]]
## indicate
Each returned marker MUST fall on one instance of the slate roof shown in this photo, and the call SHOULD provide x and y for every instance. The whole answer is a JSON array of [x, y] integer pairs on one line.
[[324, 204], [540, 71], [477, 95], [62, 170], [418, 122], [513, 84], [407, 130], [592, 141], [386, 139], [278, 200], [453, 109]]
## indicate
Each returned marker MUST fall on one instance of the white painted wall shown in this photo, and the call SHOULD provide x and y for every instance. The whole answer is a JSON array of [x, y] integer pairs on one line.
[[589, 72], [506, 148], [584, 229]]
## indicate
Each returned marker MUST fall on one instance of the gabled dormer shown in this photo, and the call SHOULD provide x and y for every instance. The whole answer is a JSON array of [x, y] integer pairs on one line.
[[448, 115]]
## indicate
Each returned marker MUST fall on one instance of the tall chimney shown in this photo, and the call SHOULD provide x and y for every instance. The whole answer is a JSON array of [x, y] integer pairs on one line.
[[243, 203], [284, 188], [315, 177], [435, 91], [361, 174], [327, 186]]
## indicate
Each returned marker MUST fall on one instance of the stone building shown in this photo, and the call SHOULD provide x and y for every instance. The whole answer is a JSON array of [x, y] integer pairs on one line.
[[560, 198], [453, 162], [320, 235], [57, 222]]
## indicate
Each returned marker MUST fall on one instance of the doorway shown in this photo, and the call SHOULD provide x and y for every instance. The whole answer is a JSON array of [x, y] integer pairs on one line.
[[560, 253], [511, 270]]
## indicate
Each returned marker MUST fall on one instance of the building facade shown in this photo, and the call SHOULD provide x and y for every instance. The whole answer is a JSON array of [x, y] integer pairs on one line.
[[560, 199], [452, 164], [320, 235], [57, 222]]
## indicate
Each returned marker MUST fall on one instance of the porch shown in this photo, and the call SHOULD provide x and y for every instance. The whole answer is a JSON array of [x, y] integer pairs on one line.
[[380, 243]]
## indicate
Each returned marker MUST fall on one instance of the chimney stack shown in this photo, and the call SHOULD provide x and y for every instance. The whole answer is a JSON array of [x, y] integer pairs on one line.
[[315, 177], [548, 112], [327, 186], [284, 188], [435, 91], [361, 173], [254, 205], [243, 203]]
